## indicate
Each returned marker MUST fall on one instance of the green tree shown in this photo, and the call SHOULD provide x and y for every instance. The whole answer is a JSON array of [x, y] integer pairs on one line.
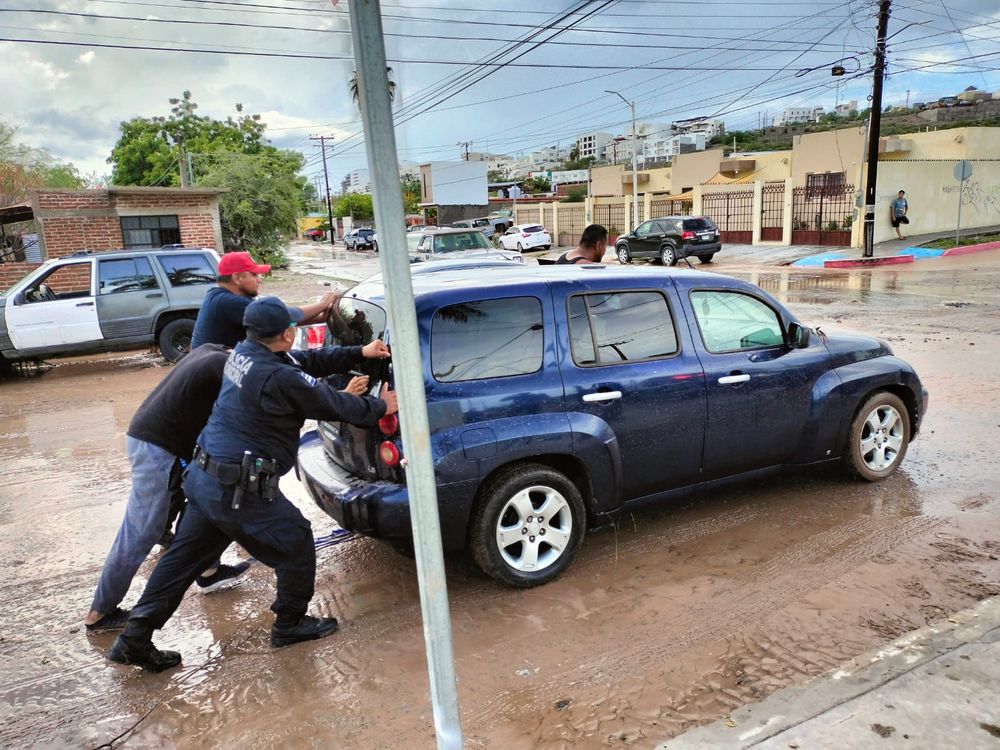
[[411, 195], [23, 167], [356, 205], [538, 184], [261, 202], [576, 195]]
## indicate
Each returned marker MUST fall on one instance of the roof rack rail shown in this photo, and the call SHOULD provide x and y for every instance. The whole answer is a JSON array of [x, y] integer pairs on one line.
[[78, 253]]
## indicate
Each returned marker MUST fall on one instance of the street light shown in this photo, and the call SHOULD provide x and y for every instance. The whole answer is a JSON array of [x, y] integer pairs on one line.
[[635, 168]]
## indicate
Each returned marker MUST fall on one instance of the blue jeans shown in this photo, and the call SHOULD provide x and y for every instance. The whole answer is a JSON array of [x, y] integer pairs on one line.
[[144, 522]]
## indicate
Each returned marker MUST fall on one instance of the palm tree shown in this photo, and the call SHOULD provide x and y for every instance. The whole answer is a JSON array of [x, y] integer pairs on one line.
[[353, 85]]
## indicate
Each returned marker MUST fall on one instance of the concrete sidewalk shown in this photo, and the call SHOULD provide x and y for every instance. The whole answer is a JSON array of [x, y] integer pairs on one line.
[[890, 249], [936, 688]]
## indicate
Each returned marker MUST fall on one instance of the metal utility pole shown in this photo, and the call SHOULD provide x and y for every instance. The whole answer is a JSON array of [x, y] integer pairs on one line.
[[326, 179], [183, 164], [635, 162], [465, 146], [376, 115], [875, 123]]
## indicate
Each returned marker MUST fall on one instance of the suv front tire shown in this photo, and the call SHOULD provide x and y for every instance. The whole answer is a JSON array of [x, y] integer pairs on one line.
[[528, 525], [175, 338]]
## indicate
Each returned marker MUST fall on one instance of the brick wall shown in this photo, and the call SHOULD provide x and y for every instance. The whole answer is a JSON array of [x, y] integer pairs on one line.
[[14, 272], [198, 230], [67, 235]]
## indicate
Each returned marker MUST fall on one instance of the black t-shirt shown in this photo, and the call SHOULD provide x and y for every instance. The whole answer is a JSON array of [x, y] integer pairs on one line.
[[220, 319], [178, 408], [564, 260]]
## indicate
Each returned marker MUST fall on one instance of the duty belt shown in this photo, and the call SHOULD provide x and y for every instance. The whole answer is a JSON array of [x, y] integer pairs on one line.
[[253, 473]]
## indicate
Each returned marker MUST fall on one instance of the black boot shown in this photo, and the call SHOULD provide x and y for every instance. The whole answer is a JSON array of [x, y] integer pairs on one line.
[[309, 628], [135, 646]]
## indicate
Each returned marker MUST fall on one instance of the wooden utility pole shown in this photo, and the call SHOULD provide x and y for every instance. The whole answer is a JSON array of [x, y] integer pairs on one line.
[[326, 179], [875, 123]]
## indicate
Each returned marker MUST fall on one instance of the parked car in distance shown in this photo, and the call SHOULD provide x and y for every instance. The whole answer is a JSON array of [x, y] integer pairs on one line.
[[359, 238], [484, 225], [315, 234], [523, 237], [448, 242], [559, 397], [670, 238], [97, 302]]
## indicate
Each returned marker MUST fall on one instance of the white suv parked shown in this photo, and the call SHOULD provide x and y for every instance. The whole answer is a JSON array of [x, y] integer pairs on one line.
[[523, 237]]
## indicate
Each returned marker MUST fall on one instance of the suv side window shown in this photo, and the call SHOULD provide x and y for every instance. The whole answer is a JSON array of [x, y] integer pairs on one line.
[[187, 270], [621, 327], [491, 339], [67, 281], [733, 321], [125, 275]]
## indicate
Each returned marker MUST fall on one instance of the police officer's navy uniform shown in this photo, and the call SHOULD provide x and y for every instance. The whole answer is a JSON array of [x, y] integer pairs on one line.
[[264, 400]]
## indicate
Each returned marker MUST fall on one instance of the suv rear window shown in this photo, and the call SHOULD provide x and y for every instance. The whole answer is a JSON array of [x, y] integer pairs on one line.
[[456, 242], [534, 228], [620, 327], [697, 225], [490, 339], [187, 270], [355, 322]]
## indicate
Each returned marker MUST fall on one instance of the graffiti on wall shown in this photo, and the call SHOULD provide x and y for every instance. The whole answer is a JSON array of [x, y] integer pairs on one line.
[[983, 198]]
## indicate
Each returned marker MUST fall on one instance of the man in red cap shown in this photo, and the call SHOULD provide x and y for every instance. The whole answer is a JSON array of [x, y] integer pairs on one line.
[[220, 319]]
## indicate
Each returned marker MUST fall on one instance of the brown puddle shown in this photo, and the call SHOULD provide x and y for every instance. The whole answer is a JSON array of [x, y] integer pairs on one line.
[[671, 619]]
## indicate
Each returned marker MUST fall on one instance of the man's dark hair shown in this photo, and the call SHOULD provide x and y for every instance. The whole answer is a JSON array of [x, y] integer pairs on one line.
[[592, 235], [227, 279]]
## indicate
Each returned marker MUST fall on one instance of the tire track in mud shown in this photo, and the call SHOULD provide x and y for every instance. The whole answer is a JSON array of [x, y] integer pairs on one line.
[[785, 578]]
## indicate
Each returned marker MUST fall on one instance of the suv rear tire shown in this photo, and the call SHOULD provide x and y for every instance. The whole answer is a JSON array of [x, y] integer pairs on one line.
[[706, 258], [880, 434], [623, 254], [512, 549], [668, 255], [175, 338]]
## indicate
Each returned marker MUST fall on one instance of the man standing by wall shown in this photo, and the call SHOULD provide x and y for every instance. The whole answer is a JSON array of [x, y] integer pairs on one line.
[[220, 319], [250, 441], [898, 210]]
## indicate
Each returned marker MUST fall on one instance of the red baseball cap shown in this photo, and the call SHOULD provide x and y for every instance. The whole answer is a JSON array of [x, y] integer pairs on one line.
[[238, 263]]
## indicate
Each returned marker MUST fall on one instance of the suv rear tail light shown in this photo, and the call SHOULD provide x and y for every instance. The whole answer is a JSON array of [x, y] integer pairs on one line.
[[526, 235], [389, 453], [389, 424], [687, 235]]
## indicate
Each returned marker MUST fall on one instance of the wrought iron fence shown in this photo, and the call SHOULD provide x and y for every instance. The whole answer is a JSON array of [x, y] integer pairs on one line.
[[572, 220], [669, 207], [612, 217], [772, 211], [733, 214], [823, 216]]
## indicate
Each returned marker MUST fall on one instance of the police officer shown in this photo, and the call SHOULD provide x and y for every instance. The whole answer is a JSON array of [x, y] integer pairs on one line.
[[250, 441]]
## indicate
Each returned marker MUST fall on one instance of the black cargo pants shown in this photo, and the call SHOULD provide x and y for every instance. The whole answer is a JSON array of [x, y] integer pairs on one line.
[[276, 533]]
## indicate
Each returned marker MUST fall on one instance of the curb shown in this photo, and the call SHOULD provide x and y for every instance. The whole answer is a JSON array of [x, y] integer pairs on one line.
[[967, 249], [889, 260]]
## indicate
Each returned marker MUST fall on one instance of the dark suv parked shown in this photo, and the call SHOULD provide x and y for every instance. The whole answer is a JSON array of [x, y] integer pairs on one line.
[[559, 396], [669, 239]]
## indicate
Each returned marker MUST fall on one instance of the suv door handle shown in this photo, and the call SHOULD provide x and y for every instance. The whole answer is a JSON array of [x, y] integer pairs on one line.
[[154, 294], [733, 379], [84, 304], [602, 396]]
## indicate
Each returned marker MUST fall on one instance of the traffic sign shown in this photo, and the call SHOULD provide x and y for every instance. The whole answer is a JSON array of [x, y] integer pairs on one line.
[[963, 171]]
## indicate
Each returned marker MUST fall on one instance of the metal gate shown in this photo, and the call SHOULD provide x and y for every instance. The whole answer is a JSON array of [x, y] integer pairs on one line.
[[732, 213], [772, 212], [669, 207], [612, 217], [822, 215]]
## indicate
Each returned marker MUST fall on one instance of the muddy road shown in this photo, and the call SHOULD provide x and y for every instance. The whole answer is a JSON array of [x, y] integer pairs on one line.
[[669, 620]]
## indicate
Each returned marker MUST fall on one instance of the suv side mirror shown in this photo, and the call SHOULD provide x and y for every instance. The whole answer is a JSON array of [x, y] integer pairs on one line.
[[798, 336], [19, 298]]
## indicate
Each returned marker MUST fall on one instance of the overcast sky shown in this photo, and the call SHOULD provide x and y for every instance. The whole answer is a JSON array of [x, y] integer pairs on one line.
[[739, 60]]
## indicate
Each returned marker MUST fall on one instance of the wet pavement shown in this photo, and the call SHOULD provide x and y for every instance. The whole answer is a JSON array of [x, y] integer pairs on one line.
[[673, 619]]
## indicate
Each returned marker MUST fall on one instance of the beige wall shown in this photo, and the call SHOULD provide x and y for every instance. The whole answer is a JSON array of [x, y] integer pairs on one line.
[[772, 165], [832, 151], [954, 143], [694, 169], [932, 194], [659, 181], [607, 180]]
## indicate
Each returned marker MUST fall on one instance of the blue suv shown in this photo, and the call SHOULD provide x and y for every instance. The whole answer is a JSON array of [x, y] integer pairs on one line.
[[559, 396]]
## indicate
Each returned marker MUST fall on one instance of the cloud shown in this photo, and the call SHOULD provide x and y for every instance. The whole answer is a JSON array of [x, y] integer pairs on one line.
[[46, 73], [87, 57]]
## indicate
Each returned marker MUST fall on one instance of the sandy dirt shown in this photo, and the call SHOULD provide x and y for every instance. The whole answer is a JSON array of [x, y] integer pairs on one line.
[[669, 620]]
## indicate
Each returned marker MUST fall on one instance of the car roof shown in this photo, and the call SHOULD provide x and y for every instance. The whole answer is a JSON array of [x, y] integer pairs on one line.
[[451, 230], [106, 254], [490, 277]]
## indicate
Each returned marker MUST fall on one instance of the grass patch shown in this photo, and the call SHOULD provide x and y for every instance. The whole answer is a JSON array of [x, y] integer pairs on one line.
[[946, 243]]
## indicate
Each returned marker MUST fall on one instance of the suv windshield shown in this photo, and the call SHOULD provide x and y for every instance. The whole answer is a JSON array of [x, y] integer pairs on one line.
[[457, 242], [696, 225]]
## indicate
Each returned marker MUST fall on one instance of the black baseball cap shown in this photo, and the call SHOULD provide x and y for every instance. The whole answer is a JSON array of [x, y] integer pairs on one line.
[[269, 316]]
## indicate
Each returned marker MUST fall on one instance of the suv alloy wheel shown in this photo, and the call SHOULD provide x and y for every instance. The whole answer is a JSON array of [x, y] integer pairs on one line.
[[668, 255], [623, 254], [880, 434], [528, 525]]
